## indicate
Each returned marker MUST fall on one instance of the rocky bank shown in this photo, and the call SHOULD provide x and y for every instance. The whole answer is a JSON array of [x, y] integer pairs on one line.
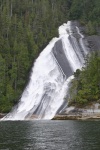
[[91, 111]]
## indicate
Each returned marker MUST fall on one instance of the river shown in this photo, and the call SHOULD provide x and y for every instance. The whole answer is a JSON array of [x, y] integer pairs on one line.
[[50, 135]]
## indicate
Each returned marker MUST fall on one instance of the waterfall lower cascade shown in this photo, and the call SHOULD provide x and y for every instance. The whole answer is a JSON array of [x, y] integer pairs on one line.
[[51, 75]]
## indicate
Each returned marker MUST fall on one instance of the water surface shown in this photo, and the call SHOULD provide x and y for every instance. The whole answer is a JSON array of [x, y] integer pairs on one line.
[[50, 135]]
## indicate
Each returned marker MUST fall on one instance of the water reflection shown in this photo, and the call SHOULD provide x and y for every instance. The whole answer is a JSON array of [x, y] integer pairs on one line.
[[50, 135]]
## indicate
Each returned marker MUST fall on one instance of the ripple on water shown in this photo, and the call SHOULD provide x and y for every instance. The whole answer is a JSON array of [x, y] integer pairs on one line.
[[50, 135]]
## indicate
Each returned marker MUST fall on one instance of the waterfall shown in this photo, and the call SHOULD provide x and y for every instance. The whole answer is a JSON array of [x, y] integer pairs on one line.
[[51, 75]]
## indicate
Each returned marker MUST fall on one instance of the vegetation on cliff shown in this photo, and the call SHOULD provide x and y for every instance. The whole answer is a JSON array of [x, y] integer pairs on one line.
[[86, 84]]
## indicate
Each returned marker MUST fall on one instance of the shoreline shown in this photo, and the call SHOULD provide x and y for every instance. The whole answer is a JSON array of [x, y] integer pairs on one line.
[[76, 117], [73, 113]]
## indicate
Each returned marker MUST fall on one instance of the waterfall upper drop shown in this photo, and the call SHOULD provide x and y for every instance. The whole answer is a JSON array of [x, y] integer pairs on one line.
[[51, 75]]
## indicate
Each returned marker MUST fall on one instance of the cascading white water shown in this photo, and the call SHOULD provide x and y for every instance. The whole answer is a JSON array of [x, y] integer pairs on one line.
[[48, 83]]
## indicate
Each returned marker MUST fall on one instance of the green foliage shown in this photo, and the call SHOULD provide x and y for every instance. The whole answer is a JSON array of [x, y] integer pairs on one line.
[[86, 85], [88, 12], [77, 73]]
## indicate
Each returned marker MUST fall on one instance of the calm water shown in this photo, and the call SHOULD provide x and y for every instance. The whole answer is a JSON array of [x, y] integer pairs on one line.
[[50, 135]]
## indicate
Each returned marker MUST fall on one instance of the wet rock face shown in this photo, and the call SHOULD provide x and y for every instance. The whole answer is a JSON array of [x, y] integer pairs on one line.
[[73, 113], [2, 115], [59, 54], [72, 43], [94, 42]]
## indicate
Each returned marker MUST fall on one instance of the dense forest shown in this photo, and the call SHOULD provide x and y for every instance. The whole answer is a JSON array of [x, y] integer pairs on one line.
[[26, 26]]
